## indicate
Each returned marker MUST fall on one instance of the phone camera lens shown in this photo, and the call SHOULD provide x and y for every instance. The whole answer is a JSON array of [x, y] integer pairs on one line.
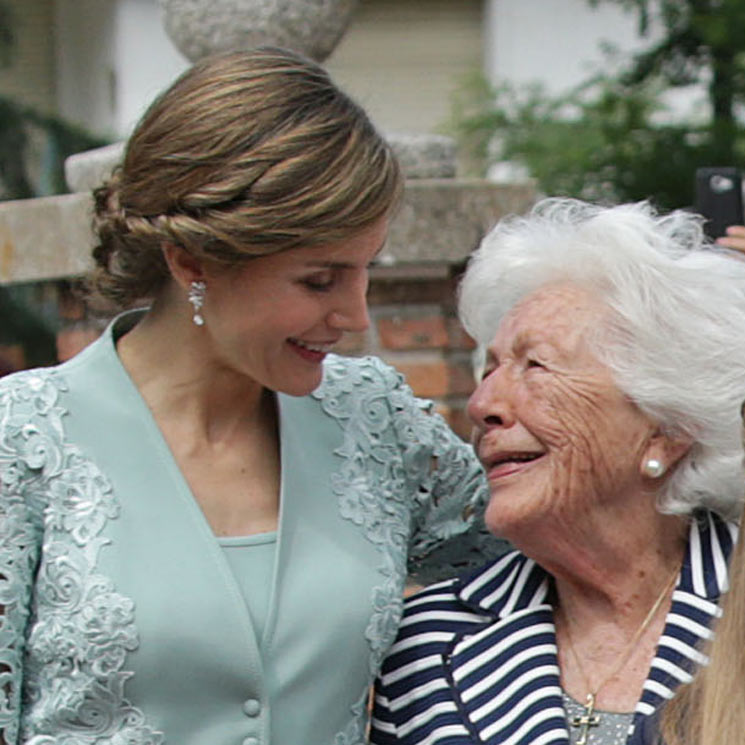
[[720, 184]]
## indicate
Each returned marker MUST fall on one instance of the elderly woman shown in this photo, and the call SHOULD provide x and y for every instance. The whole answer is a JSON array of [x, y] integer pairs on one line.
[[607, 420]]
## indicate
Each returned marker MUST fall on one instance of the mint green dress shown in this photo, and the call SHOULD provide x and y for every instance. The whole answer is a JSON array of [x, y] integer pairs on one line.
[[127, 622]]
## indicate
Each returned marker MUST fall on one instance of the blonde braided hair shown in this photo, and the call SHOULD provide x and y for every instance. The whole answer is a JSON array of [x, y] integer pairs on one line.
[[246, 154]]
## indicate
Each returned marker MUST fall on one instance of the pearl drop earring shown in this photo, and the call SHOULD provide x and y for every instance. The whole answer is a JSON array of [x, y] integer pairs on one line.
[[654, 468], [197, 291]]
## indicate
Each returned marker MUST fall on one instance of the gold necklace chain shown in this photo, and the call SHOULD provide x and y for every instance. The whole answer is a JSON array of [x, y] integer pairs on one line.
[[590, 718]]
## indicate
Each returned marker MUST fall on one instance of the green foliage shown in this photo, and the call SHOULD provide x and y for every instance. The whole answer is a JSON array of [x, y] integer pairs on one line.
[[26, 321], [32, 143], [7, 36], [33, 146], [612, 139]]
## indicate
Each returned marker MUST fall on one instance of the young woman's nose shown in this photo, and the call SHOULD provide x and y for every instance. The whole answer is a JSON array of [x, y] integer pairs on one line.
[[489, 405], [350, 313]]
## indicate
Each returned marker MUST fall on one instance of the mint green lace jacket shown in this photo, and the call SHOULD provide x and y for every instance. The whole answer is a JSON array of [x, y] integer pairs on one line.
[[122, 622]]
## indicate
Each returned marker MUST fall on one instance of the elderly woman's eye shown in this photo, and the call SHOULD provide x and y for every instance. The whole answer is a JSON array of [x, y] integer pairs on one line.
[[535, 363]]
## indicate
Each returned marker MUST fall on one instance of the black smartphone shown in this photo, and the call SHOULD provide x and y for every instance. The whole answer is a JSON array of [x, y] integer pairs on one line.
[[719, 198]]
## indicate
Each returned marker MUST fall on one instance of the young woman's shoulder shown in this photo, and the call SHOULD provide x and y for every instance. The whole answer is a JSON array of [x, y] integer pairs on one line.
[[362, 371], [27, 383]]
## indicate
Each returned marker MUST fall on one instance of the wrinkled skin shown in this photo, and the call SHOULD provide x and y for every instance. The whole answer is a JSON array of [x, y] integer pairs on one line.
[[578, 505]]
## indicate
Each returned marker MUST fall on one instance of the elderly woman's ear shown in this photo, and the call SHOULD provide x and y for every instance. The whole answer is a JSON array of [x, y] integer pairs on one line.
[[662, 453]]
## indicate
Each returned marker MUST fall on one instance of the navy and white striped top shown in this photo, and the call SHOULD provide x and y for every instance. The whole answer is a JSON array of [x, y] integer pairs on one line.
[[475, 658]]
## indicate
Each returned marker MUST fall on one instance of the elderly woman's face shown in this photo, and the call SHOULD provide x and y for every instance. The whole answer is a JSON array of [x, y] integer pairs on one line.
[[556, 436]]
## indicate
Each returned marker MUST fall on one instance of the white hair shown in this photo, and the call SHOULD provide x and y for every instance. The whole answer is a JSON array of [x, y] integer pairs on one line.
[[674, 339]]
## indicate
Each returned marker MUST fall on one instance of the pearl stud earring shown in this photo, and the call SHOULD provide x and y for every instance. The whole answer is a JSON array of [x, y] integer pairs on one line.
[[654, 468]]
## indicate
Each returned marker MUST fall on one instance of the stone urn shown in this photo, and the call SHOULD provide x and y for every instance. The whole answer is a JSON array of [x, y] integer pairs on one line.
[[200, 27]]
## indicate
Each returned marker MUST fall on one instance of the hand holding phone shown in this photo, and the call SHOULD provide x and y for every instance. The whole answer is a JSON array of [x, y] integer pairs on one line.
[[735, 238]]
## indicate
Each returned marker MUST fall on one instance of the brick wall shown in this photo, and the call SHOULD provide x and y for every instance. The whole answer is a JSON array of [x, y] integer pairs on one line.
[[413, 327]]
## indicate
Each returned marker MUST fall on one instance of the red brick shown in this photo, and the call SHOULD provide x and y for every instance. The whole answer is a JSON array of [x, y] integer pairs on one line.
[[353, 343], [73, 340], [458, 420], [413, 333], [12, 358], [459, 339], [427, 379], [411, 292], [462, 381], [70, 304], [438, 378]]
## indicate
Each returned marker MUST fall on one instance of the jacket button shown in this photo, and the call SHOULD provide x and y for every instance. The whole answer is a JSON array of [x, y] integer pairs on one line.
[[251, 707]]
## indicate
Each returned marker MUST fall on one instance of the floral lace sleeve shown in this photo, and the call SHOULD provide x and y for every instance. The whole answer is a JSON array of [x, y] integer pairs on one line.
[[446, 488], [407, 478], [450, 491], [65, 631], [24, 465]]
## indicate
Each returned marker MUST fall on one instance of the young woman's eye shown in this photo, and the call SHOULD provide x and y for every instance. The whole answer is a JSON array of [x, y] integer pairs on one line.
[[319, 284]]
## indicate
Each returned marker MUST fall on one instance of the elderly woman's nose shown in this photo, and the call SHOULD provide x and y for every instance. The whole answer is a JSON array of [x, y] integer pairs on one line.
[[489, 405]]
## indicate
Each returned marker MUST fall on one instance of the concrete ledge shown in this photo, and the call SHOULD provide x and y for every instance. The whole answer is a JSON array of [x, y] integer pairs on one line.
[[443, 220], [87, 170], [440, 222], [45, 238]]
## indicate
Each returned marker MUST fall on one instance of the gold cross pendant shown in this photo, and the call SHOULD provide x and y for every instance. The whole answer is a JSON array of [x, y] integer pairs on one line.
[[587, 720]]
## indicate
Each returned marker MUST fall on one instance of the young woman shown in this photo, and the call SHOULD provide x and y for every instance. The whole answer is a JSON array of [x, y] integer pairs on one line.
[[207, 518]]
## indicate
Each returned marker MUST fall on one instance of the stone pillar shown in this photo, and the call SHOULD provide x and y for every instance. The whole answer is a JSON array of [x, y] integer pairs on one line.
[[313, 27]]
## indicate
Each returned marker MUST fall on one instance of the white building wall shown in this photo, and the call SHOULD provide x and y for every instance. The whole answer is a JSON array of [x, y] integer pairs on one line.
[[113, 57], [554, 42], [85, 66], [146, 61], [401, 58], [559, 44]]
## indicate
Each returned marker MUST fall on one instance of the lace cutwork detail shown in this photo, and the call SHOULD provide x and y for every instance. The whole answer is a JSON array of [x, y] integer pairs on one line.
[[404, 479], [54, 504]]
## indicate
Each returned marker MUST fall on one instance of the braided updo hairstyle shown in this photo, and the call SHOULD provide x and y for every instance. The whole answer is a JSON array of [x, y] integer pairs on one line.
[[246, 154]]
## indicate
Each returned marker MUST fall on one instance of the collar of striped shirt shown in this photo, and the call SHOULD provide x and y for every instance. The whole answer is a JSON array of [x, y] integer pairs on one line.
[[497, 647]]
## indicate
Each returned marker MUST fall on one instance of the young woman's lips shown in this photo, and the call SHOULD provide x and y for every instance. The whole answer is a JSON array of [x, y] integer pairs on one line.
[[308, 351]]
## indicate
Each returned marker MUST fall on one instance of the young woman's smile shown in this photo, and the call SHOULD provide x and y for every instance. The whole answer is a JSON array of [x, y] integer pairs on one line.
[[276, 318]]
